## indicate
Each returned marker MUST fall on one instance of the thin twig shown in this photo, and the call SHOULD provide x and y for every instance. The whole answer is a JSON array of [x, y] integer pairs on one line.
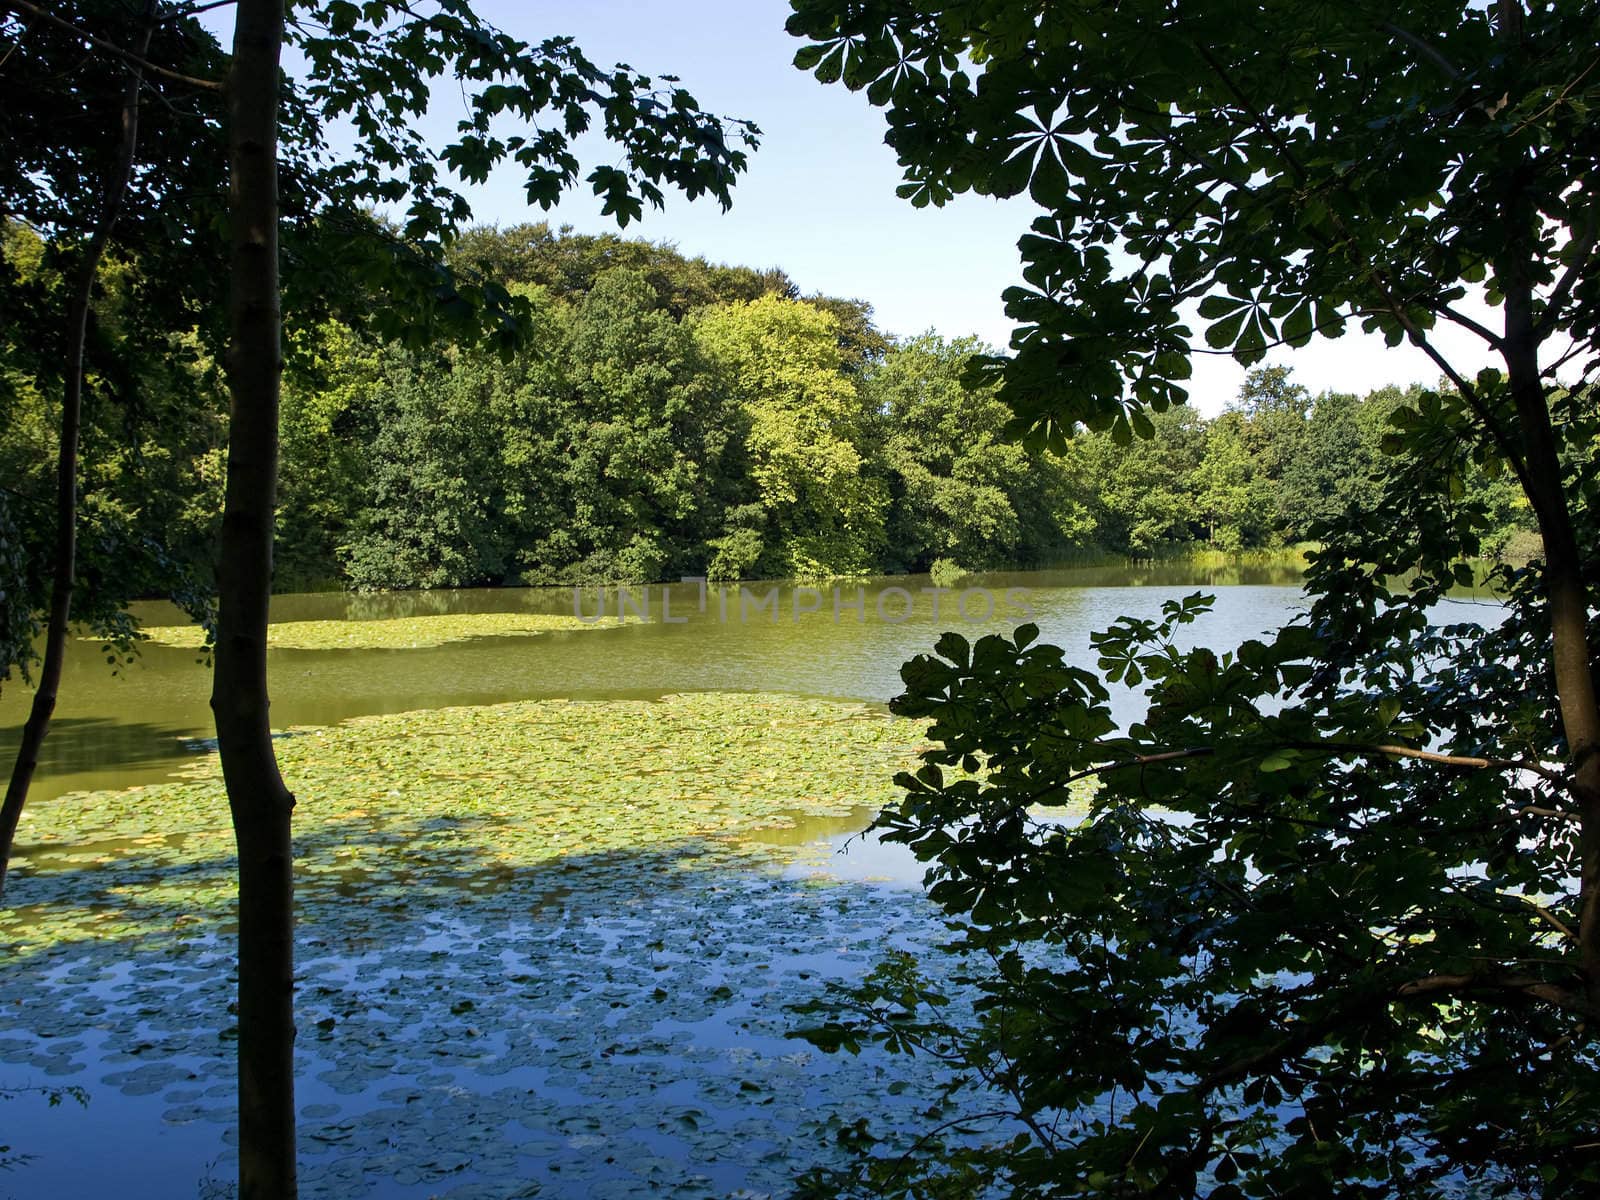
[[21, 37]]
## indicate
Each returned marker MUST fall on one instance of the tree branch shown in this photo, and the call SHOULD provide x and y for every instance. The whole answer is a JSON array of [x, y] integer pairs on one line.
[[195, 10], [1330, 748], [1308, 1032], [1433, 756], [1141, 760], [1258, 117], [1422, 47], [1524, 985], [1534, 810], [111, 48], [1467, 323], [1550, 370]]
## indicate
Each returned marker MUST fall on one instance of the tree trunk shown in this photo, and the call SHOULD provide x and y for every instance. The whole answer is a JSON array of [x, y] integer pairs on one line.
[[64, 568], [257, 798], [1569, 612], [1568, 596]]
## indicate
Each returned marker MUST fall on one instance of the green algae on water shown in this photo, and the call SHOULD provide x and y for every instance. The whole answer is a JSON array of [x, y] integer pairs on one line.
[[439, 799], [538, 951], [390, 633]]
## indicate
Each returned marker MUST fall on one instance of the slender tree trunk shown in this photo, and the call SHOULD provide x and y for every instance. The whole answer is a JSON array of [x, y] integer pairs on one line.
[[65, 566], [1569, 611], [1568, 595], [259, 802]]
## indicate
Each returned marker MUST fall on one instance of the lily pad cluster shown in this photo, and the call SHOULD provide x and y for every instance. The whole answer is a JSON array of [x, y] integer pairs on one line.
[[540, 953], [389, 633]]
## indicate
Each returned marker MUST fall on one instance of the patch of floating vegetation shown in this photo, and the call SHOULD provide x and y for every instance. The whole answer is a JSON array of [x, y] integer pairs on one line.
[[539, 952], [389, 633]]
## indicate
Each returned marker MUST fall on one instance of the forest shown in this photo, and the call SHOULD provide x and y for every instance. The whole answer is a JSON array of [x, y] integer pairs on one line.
[[673, 417], [1186, 888]]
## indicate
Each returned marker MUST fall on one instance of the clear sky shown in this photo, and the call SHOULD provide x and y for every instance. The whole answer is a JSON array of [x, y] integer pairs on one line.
[[819, 198]]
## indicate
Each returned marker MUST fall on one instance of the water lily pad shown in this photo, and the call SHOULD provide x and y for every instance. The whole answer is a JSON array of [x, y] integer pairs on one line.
[[539, 952], [389, 633]]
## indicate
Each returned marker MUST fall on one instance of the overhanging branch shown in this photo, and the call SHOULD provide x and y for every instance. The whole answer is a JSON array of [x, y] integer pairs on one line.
[[111, 48], [1332, 749]]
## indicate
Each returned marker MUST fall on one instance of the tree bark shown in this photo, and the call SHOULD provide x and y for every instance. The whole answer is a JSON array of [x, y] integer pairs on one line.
[[64, 567], [1567, 594], [1569, 611], [259, 801]]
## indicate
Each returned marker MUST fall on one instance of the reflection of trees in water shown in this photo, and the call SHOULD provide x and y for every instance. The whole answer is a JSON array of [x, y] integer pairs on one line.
[[378, 606], [10, 1156]]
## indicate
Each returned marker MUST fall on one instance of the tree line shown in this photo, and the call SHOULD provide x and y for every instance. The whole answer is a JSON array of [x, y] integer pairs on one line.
[[669, 416]]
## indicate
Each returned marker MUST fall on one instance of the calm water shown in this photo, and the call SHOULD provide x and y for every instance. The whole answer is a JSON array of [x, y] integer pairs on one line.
[[622, 1038], [135, 727]]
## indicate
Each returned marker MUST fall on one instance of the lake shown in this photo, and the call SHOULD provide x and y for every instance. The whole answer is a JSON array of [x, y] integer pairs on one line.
[[135, 727], [547, 942]]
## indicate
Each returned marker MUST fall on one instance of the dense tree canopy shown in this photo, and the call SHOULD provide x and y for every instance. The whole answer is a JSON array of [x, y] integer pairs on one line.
[[961, 492], [1325, 919], [617, 425]]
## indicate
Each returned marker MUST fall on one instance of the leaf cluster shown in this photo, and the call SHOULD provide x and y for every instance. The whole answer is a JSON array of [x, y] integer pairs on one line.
[[1311, 933], [1274, 171]]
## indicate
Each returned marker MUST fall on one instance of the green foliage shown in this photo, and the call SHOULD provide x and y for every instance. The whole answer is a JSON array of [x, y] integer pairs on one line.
[[370, 68], [550, 90], [1282, 173], [646, 438], [1144, 494], [1330, 925], [1281, 955], [19, 621], [612, 446], [567, 264], [1227, 492], [946, 572], [447, 476], [961, 491], [327, 419], [780, 363], [150, 485], [145, 418]]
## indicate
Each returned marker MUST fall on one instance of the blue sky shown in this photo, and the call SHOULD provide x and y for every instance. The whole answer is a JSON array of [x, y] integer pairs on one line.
[[819, 198]]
